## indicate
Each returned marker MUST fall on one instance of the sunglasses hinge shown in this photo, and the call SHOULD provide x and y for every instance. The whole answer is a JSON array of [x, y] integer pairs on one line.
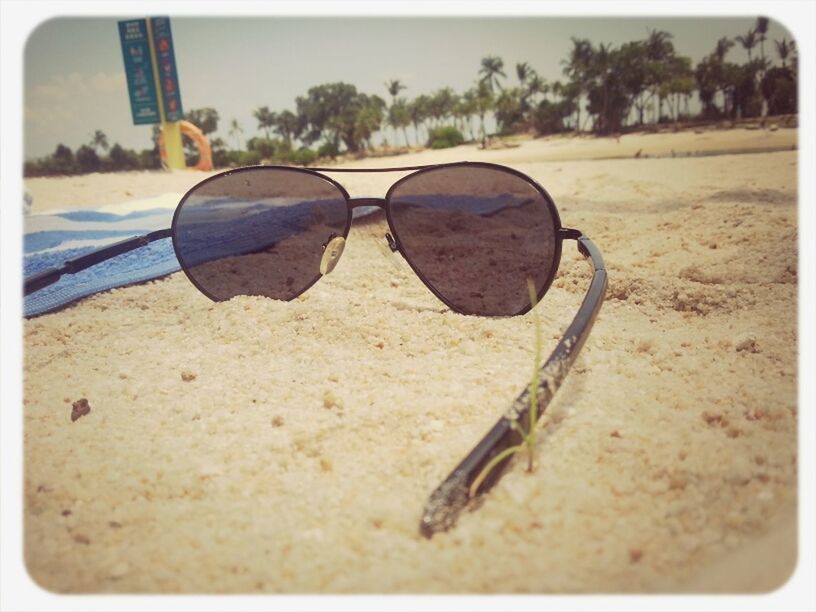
[[392, 244], [568, 233]]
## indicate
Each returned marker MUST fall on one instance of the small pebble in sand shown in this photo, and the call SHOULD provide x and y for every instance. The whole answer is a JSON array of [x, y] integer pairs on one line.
[[79, 408], [677, 482], [81, 538], [187, 376], [326, 465], [277, 421], [330, 401], [114, 524], [746, 342], [66, 513], [754, 414], [635, 555], [615, 434], [712, 418]]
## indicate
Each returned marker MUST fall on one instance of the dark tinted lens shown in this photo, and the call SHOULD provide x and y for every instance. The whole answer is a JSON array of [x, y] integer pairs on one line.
[[476, 234], [260, 231]]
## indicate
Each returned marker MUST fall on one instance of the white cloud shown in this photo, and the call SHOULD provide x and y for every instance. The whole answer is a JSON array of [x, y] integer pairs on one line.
[[68, 108]]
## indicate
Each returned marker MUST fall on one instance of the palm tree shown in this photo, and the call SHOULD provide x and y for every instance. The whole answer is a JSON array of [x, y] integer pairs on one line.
[[721, 50], [659, 50], [680, 83], [762, 29], [537, 86], [599, 69], [576, 67], [523, 72], [98, 139], [266, 119], [394, 86], [783, 49], [658, 45], [418, 110], [399, 116], [441, 104], [236, 131], [492, 68], [748, 41], [483, 98], [467, 108]]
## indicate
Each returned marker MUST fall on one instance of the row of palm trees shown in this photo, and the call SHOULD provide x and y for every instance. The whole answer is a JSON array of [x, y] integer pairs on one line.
[[605, 89]]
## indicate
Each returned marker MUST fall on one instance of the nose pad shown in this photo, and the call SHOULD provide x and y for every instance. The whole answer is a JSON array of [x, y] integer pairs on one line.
[[331, 254], [388, 252]]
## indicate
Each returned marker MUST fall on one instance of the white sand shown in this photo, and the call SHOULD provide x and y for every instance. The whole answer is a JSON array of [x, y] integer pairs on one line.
[[300, 456]]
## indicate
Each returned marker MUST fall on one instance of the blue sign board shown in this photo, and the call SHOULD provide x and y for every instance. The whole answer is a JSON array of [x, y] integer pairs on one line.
[[139, 71], [166, 66]]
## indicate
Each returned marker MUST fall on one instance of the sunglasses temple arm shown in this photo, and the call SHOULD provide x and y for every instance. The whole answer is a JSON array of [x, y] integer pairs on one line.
[[453, 495], [38, 281]]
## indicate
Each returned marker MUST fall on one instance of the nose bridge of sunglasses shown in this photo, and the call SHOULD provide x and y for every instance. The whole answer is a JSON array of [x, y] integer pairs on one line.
[[366, 201], [369, 202]]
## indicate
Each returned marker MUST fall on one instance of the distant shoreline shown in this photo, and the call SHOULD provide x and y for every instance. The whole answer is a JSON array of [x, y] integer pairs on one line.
[[103, 189]]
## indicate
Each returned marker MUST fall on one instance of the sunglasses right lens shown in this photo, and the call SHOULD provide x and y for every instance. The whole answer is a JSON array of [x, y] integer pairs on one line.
[[259, 231], [475, 233]]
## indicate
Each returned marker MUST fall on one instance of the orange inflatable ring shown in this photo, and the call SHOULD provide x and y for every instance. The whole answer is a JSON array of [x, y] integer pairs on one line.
[[201, 143]]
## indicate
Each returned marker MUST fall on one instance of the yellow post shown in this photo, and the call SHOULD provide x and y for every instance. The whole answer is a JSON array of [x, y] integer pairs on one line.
[[171, 129], [173, 144]]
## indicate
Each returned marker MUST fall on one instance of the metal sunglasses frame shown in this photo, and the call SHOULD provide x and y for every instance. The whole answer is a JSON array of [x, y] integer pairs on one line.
[[393, 237], [451, 497]]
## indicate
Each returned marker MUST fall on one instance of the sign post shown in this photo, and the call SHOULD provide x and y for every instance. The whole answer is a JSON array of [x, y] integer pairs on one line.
[[150, 68]]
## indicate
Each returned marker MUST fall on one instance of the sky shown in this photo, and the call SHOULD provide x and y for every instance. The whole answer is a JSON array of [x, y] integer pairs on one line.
[[74, 80]]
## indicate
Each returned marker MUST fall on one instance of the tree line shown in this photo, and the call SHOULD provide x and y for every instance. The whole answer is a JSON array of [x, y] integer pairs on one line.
[[605, 89]]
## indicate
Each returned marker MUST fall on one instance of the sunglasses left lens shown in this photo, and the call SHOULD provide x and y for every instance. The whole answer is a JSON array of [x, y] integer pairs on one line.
[[258, 231]]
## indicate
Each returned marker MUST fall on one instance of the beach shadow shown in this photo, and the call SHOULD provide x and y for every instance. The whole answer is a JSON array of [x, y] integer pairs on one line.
[[401, 305], [754, 196], [569, 396]]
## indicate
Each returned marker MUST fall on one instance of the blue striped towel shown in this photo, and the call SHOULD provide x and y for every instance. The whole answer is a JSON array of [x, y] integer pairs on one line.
[[52, 239]]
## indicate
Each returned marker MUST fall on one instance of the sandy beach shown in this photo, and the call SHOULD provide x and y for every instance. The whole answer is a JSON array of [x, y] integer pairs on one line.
[[257, 446]]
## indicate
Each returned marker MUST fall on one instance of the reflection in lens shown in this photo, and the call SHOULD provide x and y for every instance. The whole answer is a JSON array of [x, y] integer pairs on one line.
[[260, 231], [476, 234]]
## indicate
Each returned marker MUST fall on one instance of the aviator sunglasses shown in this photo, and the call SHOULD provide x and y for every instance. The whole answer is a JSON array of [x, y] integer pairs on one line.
[[474, 233]]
